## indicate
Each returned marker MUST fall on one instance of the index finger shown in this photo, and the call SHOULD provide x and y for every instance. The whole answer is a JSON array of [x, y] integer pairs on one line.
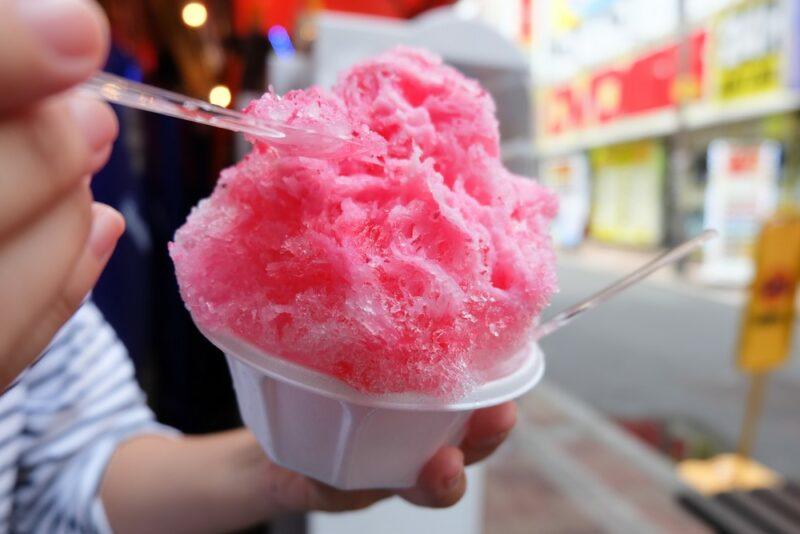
[[487, 429], [47, 46]]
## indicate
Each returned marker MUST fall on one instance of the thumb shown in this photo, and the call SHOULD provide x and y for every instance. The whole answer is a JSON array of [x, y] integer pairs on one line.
[[47, 46], [107, 227]]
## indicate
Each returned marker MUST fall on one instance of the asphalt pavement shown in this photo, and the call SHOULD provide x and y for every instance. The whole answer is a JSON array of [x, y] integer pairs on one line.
[[666, 350]]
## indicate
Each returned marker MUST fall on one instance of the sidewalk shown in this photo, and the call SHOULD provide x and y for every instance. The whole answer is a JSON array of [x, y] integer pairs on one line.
[[567, 470]]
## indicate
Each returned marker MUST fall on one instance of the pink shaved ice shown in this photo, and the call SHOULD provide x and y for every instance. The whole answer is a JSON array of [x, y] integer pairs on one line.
[[418, 267]]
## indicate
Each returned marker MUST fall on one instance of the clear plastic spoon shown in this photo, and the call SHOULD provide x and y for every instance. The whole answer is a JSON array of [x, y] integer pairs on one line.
[[145, 97], [670, 256]]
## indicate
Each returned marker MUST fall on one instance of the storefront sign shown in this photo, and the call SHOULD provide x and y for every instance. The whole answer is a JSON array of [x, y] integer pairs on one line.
[[742, 192], [748, 49], [645, 84], [628, 194]]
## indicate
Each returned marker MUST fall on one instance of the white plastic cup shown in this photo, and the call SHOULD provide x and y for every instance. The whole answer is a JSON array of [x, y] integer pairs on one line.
[[319, 426]]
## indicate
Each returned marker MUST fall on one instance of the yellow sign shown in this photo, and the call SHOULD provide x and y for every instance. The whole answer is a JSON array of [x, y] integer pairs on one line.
[[628, 194], [769, 317], [750, 78], [747, 49]]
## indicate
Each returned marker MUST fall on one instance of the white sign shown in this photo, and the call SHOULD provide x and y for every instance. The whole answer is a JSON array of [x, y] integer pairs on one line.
[[742, 192], [750, 34]]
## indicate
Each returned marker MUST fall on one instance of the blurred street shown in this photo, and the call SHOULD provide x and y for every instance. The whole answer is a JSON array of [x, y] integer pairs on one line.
[[566, 469], [666, 349]]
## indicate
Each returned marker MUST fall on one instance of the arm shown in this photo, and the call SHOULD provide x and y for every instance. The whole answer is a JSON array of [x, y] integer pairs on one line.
[[80, 402], [212, 483], [225, 482]]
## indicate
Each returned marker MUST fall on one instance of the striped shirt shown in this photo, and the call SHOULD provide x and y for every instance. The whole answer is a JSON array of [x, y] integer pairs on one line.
[[59, 425]]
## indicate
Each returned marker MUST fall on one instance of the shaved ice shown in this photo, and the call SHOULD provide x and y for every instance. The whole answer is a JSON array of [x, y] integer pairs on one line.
[[417, 265]]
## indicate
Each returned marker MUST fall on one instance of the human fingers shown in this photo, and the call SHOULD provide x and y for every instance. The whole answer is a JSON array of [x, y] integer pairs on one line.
[[442, 481], [51, 287], [47, 46], [487, 429], [325, 498], [47, 151], [288, 491]]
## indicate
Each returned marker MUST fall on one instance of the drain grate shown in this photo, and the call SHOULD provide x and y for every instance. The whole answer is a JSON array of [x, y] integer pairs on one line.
[[761, 511]]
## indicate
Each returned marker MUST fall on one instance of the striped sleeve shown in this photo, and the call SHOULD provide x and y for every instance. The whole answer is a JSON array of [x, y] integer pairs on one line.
[[82, 402]]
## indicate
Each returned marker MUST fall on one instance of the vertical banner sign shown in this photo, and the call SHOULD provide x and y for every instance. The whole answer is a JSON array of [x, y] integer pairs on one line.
[[766, 331], [742, 192], [768, 322], [568, 177], [748, 49], [628, 194]]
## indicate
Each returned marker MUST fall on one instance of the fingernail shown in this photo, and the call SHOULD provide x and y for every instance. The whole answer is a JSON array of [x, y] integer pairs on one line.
[[95, 120], [107, 227], [69, 28]]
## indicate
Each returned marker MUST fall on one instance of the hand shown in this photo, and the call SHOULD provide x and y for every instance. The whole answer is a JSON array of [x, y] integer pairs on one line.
[[54, 241], [224, 482], [442, 482]]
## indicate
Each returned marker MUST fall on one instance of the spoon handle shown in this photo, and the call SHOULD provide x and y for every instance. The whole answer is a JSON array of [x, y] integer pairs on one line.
[[636, 276], [148, 98]]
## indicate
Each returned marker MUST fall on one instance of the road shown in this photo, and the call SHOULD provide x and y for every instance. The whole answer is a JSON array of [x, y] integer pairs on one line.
[[666, 349]]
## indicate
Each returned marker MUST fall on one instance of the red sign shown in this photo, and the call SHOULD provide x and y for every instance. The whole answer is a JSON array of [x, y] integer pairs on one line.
[[606, 93], [645, 84], [743, 160], [564, 111], [260, 15], [249, 15]]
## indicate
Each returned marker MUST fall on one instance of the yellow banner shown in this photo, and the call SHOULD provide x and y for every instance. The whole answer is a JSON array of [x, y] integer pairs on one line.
[[766, 330], [750, 78], [747, 49]]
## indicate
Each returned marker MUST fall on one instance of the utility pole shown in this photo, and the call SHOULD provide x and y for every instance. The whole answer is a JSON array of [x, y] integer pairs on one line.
[[680, 161]]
